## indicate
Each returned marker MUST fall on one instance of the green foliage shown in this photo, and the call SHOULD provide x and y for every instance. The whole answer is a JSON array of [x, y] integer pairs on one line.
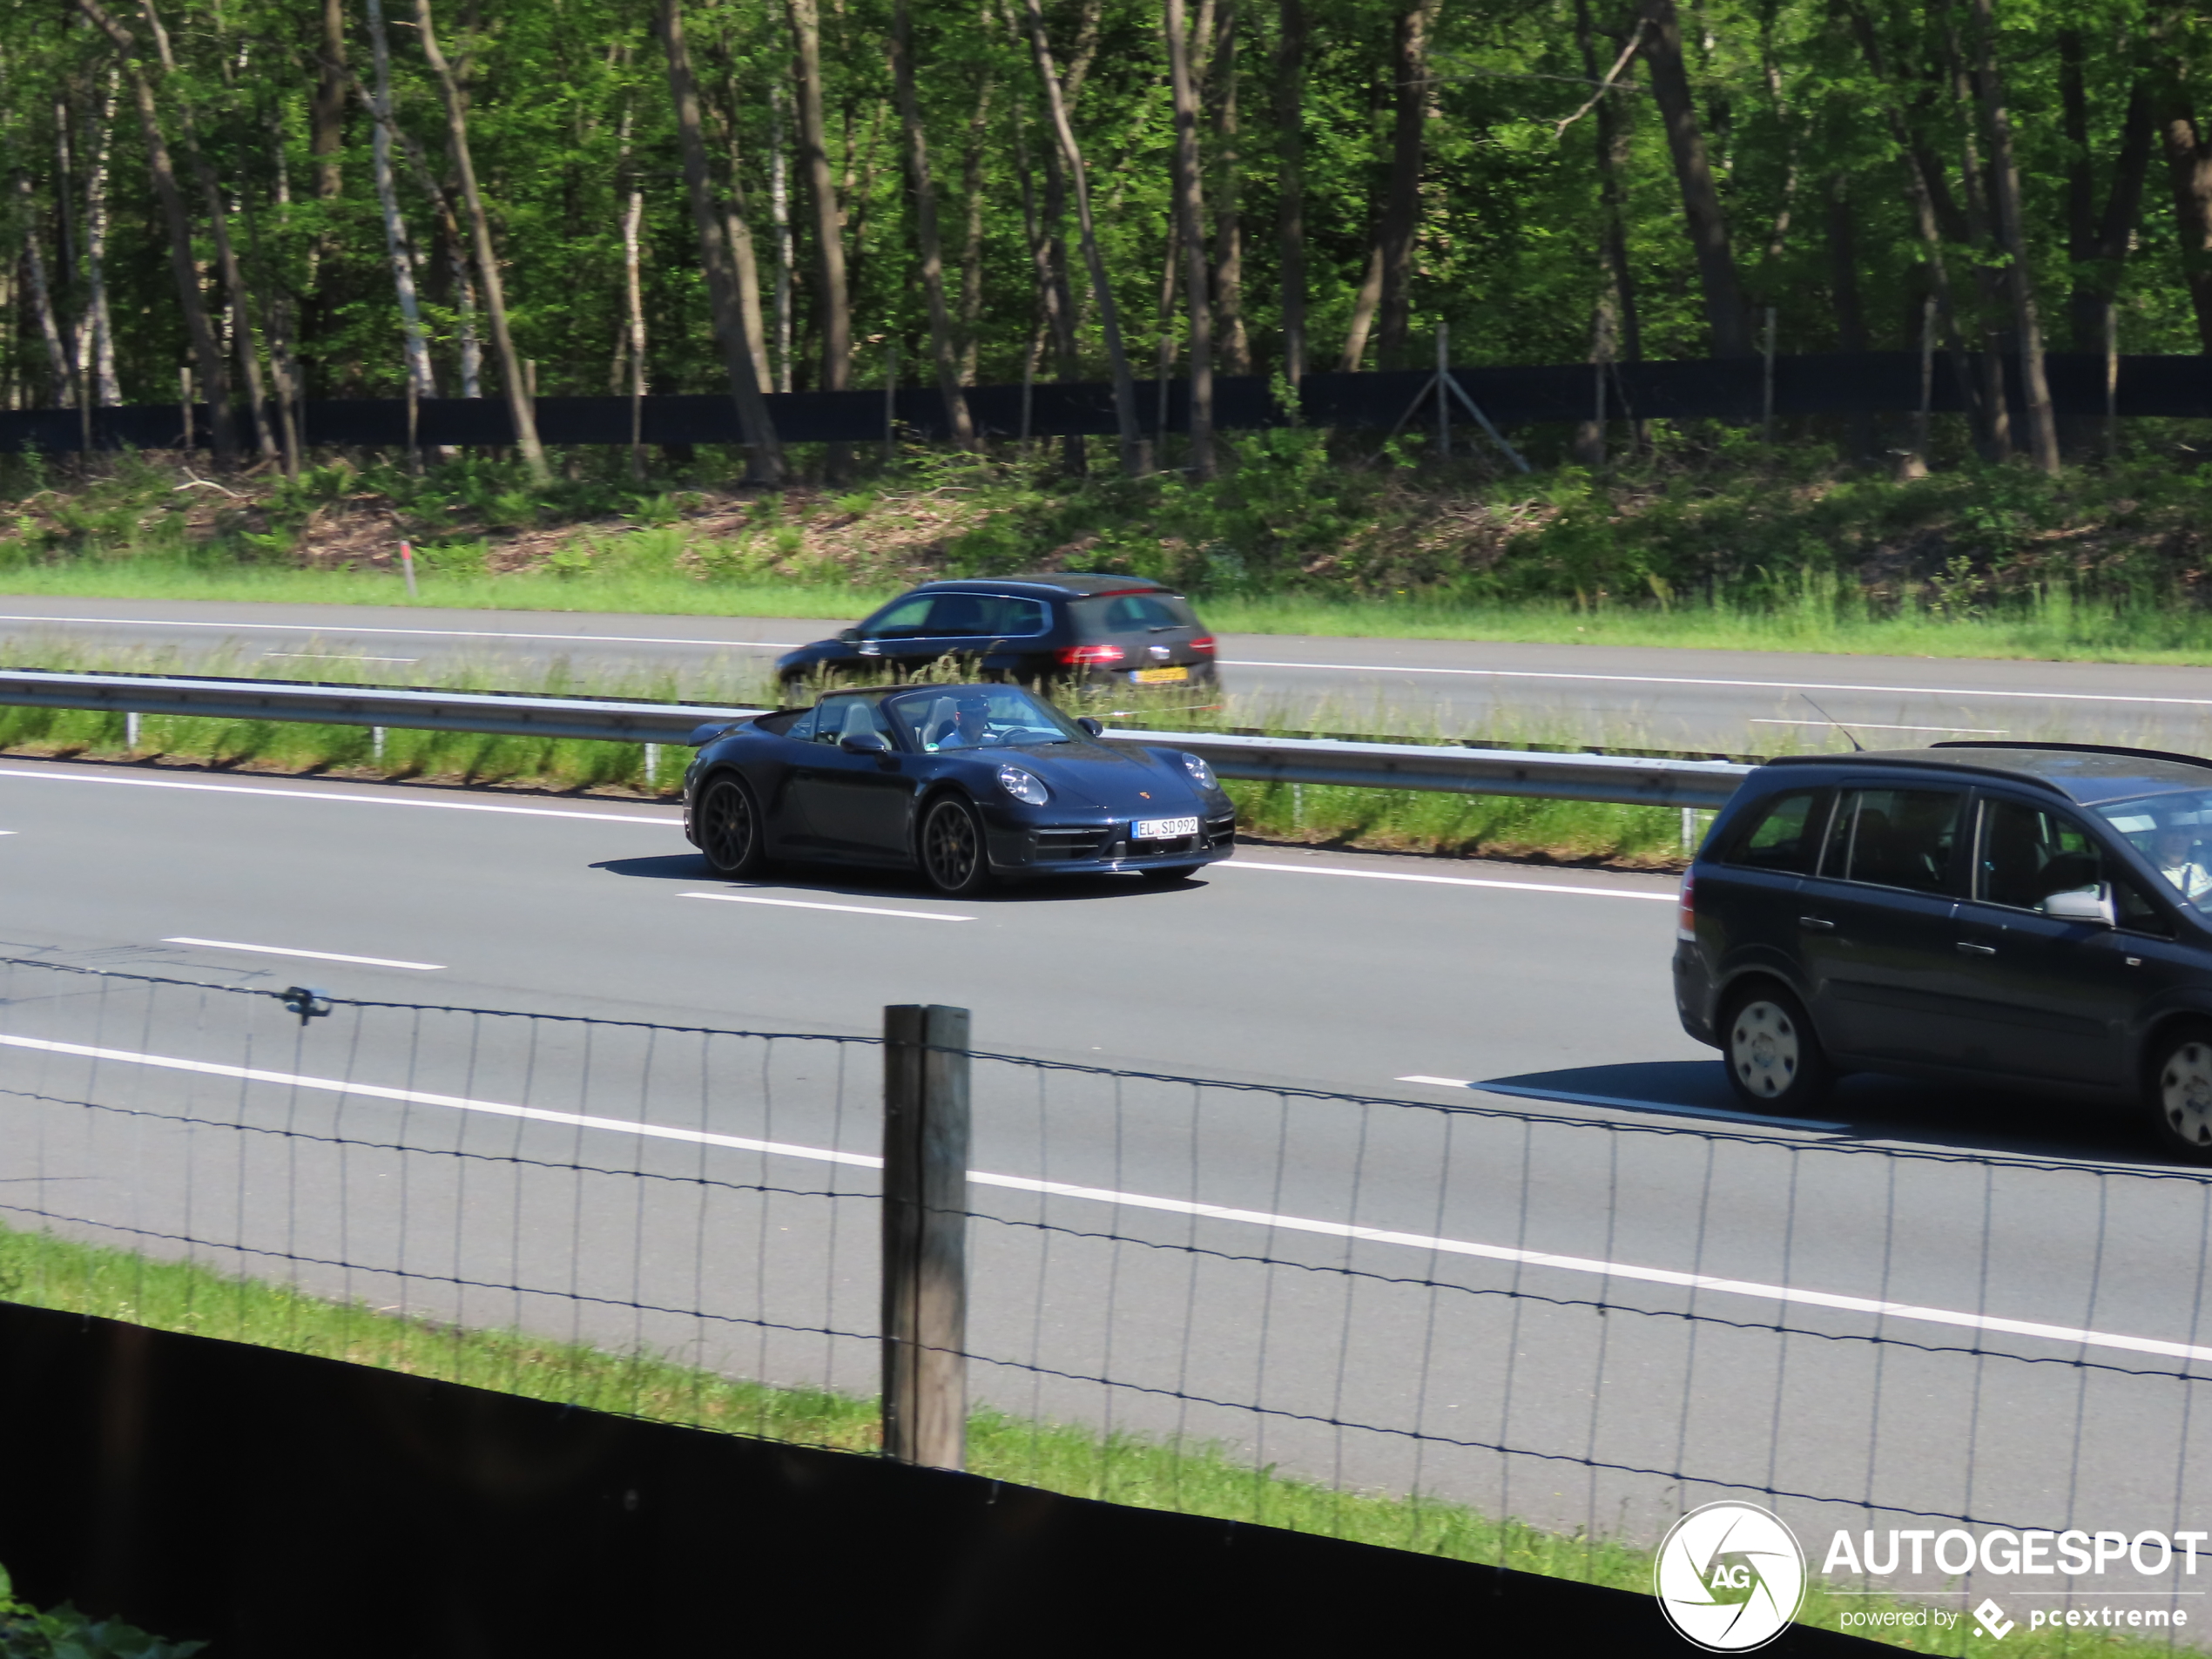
[[65, 1633]]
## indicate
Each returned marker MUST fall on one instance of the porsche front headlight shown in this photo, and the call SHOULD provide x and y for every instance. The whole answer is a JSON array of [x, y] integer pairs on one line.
[[1024, 786], [1201, 773]]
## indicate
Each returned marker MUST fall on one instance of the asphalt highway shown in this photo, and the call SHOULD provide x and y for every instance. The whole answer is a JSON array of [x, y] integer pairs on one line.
[[710, 1194], [1728, 702]]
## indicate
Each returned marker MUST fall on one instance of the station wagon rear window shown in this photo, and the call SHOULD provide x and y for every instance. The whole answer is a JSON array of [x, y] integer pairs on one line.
[[1133, 613], [1783, 834]]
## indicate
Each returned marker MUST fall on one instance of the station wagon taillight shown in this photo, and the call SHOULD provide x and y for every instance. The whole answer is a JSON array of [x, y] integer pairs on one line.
[[1205, 643], [1686, 912], [1089, 656]]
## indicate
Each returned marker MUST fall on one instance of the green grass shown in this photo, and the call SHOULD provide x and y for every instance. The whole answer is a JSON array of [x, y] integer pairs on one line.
[[1709, 541], [40, 1270]]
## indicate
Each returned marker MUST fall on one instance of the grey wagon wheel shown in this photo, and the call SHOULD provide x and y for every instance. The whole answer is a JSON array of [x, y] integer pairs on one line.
[[2181, 1092], [1774, 1057], [729, 827], [952, 848]]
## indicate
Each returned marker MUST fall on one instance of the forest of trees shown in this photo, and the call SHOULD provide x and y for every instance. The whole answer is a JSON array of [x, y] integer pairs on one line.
[[266, 200]]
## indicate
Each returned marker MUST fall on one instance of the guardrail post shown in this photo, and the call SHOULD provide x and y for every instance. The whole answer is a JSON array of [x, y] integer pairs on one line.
[[925, 1236]]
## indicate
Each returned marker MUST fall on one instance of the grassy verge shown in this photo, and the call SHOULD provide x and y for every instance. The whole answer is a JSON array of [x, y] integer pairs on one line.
[[1693, 544], [40, 1269]]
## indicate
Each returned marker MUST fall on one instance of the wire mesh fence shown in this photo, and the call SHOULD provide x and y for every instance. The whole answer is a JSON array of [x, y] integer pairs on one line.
[[1589, 1326]]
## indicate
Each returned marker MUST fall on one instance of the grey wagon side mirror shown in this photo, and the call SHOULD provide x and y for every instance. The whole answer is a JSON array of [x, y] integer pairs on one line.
[[2090, 904]]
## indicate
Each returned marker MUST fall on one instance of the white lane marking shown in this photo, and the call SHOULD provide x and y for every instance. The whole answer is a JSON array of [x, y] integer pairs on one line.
[[808, 904], [458, 1103], [1881, 725], [321, 794], [423, 633], [1624, 1103], [336, 657], [1753, 685], [1751, 1288], [1441, 880], [318, 955]]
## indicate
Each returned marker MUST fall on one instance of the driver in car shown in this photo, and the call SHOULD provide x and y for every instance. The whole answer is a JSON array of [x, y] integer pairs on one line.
[[971, 725], [2177, 861]]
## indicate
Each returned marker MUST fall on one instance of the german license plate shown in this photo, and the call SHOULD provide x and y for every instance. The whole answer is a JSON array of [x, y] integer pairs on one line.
[[1159, 676], [1163, 829]]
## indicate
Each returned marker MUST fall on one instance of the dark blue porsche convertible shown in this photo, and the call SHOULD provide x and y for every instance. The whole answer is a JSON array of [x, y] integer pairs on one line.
[[968, 782]]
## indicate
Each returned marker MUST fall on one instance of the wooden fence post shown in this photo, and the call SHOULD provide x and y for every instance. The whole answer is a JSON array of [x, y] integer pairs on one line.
[[925, 1236]]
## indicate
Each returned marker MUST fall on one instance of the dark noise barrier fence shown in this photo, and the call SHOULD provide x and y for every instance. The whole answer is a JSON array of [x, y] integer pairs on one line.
[[1588, 1321], [1724, 388], [286, 1506]]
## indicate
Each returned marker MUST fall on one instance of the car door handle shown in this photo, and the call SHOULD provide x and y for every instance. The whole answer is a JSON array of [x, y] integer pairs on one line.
[[1817, 924], [1968, 948]]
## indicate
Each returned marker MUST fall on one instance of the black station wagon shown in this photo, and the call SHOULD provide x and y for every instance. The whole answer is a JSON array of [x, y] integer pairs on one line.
[[1094, 630], [2034, 915]]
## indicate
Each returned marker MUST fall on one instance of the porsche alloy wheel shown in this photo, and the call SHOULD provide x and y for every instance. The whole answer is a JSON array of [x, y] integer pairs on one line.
[[729, 827], [952, 848]]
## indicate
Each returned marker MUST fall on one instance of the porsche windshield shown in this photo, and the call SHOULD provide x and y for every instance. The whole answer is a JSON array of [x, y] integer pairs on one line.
[[2175, 833], [976, 717]]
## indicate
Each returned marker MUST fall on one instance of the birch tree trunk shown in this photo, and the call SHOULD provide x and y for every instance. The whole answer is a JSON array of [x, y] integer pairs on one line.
[[1290, 138], [1102, 290], [398, 249], [764, 454], [100, 372], [207, 351], [1189, 217], [510, 368], [779, 216], [469, 347], [2019, 281], [943, 355], [1704, 218], [42, 299]]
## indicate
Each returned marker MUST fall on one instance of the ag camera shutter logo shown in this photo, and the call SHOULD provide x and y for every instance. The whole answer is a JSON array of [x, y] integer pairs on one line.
[[1730, 1576]]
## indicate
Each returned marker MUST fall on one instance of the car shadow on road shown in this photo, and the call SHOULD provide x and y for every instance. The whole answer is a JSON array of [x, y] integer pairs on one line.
[[1869, 1107], [798, 878]]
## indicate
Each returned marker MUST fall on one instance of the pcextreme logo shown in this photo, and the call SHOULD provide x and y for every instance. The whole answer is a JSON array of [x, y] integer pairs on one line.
[[1730, 1576]]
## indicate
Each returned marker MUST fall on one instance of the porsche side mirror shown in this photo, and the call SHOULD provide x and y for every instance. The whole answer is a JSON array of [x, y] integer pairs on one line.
[[2091, 905], [846, 635], [703, 735], [1095, 727], [865, 743]]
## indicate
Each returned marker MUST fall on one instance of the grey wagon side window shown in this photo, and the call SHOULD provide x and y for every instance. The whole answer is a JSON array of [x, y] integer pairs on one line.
[[1895, 838], [1783, 834]]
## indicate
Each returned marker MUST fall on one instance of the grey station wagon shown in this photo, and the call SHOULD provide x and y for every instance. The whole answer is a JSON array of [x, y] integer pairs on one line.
[[2029, 915]]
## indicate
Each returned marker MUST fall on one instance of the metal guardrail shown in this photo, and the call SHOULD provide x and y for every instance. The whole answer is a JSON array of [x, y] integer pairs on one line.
[[494, 713], [1630, 780]]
